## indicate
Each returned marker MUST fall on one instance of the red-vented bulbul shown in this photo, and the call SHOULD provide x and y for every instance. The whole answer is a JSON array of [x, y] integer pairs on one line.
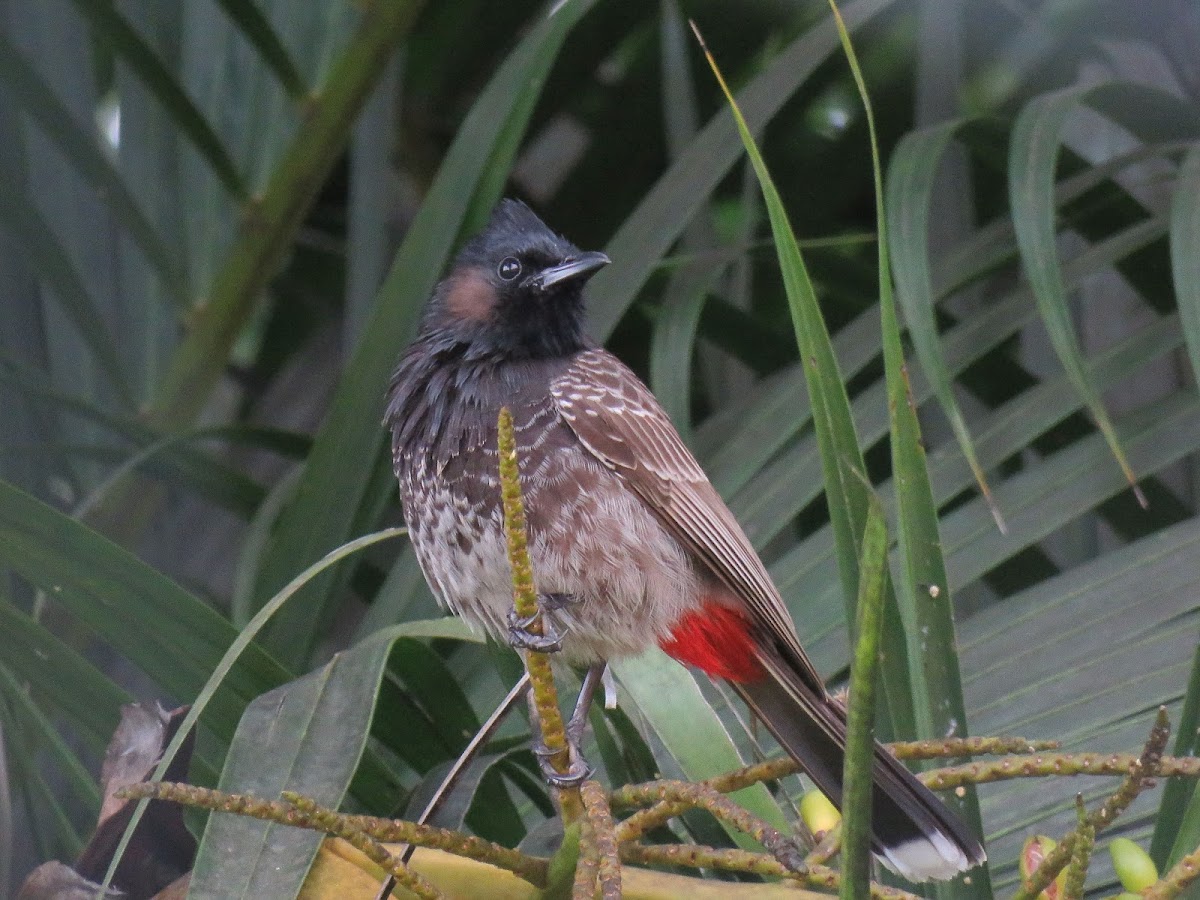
[[630, 543]]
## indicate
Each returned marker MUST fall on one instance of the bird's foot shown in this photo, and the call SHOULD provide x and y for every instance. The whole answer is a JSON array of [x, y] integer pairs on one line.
[[520, 633], [577, 771], [521, 636]]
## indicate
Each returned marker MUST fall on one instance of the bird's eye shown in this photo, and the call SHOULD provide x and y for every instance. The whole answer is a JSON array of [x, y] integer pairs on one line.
[[509, 268]]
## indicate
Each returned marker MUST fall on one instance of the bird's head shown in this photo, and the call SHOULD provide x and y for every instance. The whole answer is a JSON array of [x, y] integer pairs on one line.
[[515, 290]]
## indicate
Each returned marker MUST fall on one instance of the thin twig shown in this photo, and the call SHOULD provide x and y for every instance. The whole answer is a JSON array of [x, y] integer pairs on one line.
[[968, 746], [530, 868], [772, 769], [604, 838], [1085, 842], [1140, 771], [1182, 874], [1054, 764], [333, 823], [701, 796], [827, 849], [694, 856]]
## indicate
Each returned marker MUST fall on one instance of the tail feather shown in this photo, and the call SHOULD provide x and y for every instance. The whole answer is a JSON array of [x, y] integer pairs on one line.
[[913, 832]]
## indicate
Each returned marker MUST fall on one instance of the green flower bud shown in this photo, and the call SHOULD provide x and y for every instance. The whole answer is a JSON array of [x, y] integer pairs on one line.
[[818, 813], [1134, 866]]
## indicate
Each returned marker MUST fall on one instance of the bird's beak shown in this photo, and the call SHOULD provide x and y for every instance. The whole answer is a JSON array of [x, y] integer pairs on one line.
[[579, 268]]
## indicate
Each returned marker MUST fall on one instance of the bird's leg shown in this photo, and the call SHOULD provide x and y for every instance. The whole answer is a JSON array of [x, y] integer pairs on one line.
[[578, 769], [551, 638], [583, 705]]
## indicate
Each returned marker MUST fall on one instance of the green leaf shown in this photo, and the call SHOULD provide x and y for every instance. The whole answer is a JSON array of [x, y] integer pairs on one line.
[[808, 570], [842, 461], [1185, 252], [669, 698], [1066, 485], [168, 458], [859, 764], [469, 790], [241, 605], [161, 448], [1177, 826], [924, 595], [650, 230], [431, 684], [348, 447], [63, 680], [677, 320], [1064, 659], [766, 422], [161, 628], [778, 494], [404, 595], [53, 832], [53, 265], [1048, 495], [306, 736], [240, 650], [911, 177], [842, 465], [277, 212], [41, 733], [258, 31], [674, 338], [369, 242], [1032, 163]]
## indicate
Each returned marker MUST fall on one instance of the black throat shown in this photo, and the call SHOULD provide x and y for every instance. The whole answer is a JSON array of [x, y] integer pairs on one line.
[[445, 396]]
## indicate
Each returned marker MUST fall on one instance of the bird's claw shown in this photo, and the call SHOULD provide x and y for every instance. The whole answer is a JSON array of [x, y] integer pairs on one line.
[[578, 770], [520, 637]]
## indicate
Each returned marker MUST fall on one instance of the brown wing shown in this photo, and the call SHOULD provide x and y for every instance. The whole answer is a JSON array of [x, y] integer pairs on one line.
[[617, 418]]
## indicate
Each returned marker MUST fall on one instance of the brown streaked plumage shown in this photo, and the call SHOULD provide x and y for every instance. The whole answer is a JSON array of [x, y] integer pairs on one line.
[[622, 519]]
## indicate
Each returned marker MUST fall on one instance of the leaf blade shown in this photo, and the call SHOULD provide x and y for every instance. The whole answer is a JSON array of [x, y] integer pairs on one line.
[[1185, 252], [842, 464], [910, 184]]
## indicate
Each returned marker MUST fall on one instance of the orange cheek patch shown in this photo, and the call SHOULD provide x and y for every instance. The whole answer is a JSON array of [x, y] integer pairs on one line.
[[715, 639], [470, 297]]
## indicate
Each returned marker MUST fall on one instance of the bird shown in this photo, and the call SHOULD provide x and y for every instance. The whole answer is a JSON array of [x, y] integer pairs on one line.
[[631, 546]]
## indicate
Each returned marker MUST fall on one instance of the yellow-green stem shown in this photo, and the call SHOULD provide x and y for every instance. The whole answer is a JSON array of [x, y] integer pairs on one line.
[[604, 840], [541, 676], [1182, 874], [337, 825], [1082, 856]]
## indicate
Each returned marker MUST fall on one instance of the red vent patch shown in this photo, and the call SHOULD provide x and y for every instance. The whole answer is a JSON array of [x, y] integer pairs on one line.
[[715, 639]]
